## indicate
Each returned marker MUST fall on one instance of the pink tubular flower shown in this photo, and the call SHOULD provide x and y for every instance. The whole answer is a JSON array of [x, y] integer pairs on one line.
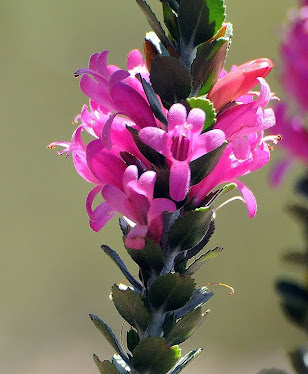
[[294, 142], [181, 144], [239, 81], [229, 168], [134, 199], [117, 90], [294, 55], [246, 118]]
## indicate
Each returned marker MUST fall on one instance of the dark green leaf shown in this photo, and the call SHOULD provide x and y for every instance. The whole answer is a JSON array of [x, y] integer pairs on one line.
[[202, 260], [153, 101], [171, 22], [131, 307], [185, 327], [153, 22], [200, 296], [197, 248], [152, 356], [171, 291], [132, 339], [150, 258], [189, 229], [208, 107], [174, 4], [107, 332], [184, 361], [117, 259], [209, 62], [204, 165], [199, 20], [105, 367], [170, 80]]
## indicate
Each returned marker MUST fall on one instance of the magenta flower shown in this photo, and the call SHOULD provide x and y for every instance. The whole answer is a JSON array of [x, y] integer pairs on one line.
[[230, 168], [294, 142], [134, 199], [246, 118], [294, 55], [181, 144]]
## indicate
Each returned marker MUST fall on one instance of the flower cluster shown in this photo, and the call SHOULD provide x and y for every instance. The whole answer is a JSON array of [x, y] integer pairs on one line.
[[142, 166]]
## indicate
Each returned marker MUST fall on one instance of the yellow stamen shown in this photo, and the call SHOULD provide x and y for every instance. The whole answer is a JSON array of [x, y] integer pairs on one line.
[[221, 284]]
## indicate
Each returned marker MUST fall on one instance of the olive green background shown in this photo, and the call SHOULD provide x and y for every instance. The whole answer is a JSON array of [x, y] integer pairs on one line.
[[52, 271]]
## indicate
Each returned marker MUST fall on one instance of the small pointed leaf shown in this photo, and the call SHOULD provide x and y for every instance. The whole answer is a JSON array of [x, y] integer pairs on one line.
[[105, 367], [132, 339], [107, 332], [185, 327], [171, 22], [153, 22], [150, 258], [117, 259], [196, 249], [209, 62], [189, 229], [208, 107], [171, 291], [170, 80], [152, 356], [131, 307], [204, 165], [200, 296], [202, 260], [184, 361]]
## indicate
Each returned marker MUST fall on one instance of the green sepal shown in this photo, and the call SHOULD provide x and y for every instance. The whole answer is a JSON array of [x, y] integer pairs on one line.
[[171, 291], [207, 106], [170, 20], [132, 339], [185, 327], [150, 258], [184, 361], [131, 307], [209, 62], [199, 21], [204, 165], [189, 229], [105, 367], [107, 332], [202, 260], [152, 356], [170, 80], [153, 22]]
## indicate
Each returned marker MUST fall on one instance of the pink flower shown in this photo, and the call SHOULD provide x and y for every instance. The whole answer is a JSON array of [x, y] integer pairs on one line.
[[230, 168], [294, 142], [239, 81], [181, 144], [134, 199], [294, 54], [246, 118]]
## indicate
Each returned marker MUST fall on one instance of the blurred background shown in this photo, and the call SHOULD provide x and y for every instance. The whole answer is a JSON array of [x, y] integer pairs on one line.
[[53, 272]]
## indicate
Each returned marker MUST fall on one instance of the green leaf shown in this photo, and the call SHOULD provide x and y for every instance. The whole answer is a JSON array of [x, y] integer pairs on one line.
[[185, 327], [105, 367], [170, 20], [204, 165], [153, 22], [107, 332], [184, 361], [208, 107], [207, 66], [150, 258], [189, 229], [200, 296], [131, 307], [199, 20], [170, 80], [171, 291], [132, 339], [202, 260], [152, 356]]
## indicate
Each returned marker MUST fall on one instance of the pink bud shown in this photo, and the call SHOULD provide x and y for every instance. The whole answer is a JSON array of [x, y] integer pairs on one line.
[[239, 81]]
